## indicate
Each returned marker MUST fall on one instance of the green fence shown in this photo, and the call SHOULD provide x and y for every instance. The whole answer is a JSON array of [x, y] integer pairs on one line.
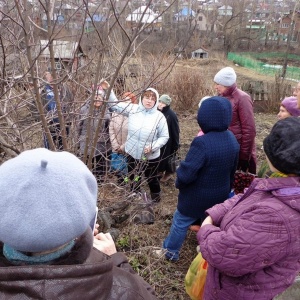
[[248, 60]]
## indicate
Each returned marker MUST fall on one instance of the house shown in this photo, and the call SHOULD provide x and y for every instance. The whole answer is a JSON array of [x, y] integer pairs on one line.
[[199, 53], [184, 14], [92, 21], [68, 55], [144, 16], [202, 23], [225, 10], [284, 26]]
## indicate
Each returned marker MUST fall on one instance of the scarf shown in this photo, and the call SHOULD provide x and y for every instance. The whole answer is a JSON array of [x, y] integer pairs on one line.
[[19, 258], [277, 175]]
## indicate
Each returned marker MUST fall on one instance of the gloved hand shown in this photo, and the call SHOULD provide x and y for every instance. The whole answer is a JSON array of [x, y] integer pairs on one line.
[[243, 165]]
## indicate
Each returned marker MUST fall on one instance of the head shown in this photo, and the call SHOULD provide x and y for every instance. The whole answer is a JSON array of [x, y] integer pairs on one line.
[[288, 108], [225, 78], [214, 114], [48, 77], [99, 96], [129, 97], [296, 93], [149, 98], [52, 200], [163, 101], [282, 146]]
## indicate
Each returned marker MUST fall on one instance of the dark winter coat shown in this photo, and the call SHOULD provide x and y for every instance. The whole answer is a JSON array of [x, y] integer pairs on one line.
[[98, 277], [103, 144], [205, 177], [253, 247], [49, 103], [173, 143], [243, 124]]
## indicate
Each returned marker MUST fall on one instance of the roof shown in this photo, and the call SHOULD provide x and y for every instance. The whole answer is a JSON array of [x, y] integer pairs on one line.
[[143, 14], [62, 49], [200, 50], [226, 7]]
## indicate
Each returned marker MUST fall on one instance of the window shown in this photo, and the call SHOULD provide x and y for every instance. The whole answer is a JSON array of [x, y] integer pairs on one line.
[[200, 18], [284, 25]]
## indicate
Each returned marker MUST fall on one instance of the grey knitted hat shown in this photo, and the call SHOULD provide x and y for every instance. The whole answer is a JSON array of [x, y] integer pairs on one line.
[[47, 199], [166, 99], [225, 77]]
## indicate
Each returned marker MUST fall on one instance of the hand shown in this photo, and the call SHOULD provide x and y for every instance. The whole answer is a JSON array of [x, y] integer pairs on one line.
[[104, 242], [243, 165], [208, 221], [147, 149], [104, 84], [96, 231]]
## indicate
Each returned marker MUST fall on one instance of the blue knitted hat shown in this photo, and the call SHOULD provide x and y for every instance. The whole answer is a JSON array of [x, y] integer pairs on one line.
[[47, 199]]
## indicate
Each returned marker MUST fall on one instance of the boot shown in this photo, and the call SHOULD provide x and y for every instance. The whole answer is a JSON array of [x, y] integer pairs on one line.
[[166, 177], [155, 197]]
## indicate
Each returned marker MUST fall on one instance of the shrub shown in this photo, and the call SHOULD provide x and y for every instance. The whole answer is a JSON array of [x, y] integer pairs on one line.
[[186, 87]]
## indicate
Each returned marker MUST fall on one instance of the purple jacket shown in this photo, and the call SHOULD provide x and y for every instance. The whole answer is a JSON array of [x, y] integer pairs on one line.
[[253, 248]]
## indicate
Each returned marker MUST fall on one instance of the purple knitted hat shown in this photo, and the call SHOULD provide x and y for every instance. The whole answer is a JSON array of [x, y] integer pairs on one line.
[[290, 104]]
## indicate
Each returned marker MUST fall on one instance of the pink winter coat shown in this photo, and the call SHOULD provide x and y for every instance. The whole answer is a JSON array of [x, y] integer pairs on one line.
[[118, 130], [253, 247]]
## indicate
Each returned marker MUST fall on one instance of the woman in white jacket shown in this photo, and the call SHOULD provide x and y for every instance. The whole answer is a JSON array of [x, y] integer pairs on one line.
[[147, 133]]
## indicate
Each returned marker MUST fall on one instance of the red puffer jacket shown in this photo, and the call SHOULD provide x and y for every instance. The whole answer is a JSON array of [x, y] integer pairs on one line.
[[243, 124]]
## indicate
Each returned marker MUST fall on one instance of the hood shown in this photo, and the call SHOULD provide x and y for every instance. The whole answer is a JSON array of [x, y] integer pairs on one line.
[[214, 114], [286, 189], [154, 108]]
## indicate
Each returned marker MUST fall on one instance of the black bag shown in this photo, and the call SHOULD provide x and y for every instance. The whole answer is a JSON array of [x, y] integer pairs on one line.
[[174, 162]]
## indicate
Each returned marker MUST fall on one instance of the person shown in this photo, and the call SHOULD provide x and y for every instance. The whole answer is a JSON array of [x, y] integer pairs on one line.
[[295, 89], [200, 132], [49, 102], [147, 133], [102, 150], [171, 147], [205, 177], [288, 108], [243, 123], [296, 93], [251, 241], [51, 252], [118, 131]]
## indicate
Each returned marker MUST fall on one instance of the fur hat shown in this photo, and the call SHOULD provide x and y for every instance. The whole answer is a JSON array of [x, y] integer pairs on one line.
[[291, 105], [47, 199], [282, 146], [225, 77], [166, 99]]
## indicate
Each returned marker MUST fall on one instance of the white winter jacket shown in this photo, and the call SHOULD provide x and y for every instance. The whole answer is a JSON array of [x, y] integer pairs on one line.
[[145, 127]]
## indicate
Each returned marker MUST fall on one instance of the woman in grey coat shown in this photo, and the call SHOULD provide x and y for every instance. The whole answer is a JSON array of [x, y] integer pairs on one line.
[[102, 150]]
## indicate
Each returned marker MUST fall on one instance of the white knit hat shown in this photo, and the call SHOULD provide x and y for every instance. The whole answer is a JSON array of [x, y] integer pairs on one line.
[[47, 199], [225, 77]]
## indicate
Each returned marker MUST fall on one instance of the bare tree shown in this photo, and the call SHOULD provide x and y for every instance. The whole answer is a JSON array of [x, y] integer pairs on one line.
[[113, 49]]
